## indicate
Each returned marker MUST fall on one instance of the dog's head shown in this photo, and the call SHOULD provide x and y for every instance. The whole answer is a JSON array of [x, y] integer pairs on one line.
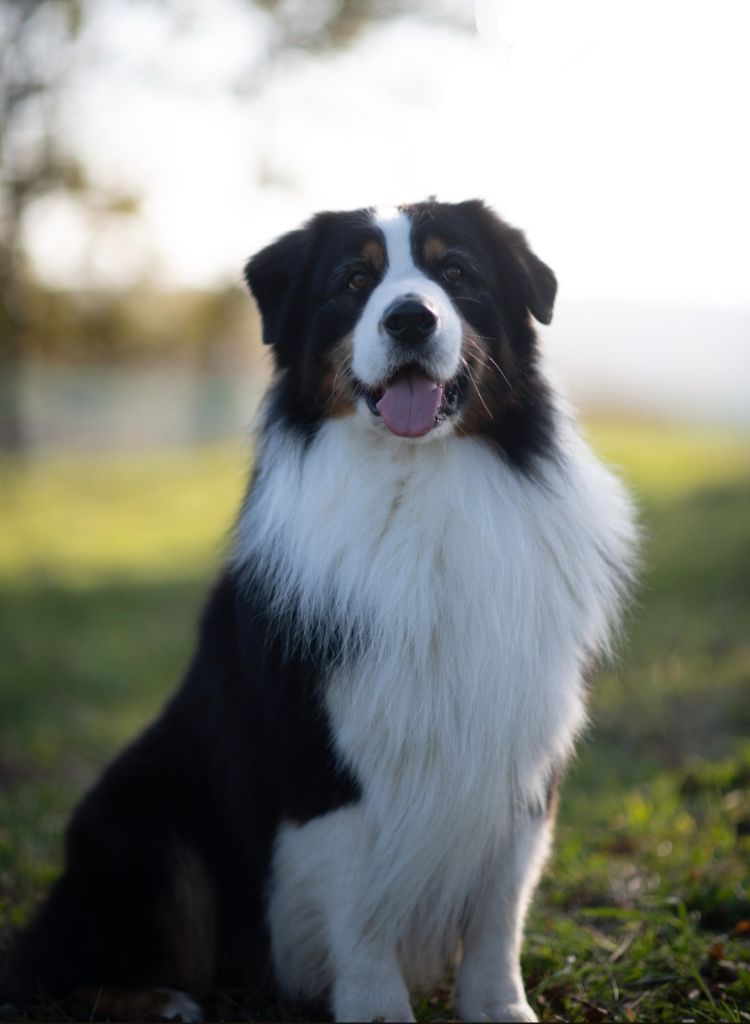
[[416, 319]]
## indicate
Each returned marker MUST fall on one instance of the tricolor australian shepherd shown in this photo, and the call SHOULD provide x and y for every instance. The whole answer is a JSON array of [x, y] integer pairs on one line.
[[355, 784]]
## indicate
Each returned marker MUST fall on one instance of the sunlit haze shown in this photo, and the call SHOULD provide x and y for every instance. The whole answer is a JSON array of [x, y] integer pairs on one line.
[[612, 132]]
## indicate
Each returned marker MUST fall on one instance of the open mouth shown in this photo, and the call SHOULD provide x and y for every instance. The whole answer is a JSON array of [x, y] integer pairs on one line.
[[411, 403]]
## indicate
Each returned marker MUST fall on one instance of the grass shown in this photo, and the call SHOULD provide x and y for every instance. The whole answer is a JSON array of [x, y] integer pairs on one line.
[[644, 913]]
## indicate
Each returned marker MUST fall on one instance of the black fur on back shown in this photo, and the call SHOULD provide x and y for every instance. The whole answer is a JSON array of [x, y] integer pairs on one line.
[[243, 745]]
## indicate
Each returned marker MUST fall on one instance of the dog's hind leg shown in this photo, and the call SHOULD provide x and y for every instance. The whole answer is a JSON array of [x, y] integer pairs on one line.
[[132, 917], [139, 1005]]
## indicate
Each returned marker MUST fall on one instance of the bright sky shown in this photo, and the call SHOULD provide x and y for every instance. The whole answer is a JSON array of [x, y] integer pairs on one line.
[[613, 131]]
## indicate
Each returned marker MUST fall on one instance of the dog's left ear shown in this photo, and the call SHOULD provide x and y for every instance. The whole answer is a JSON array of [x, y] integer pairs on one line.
[[273, 276], [535, 281], [540, 283]]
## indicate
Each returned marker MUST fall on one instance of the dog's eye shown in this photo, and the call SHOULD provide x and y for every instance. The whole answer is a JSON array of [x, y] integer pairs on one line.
[[453, 274], [358, 281]]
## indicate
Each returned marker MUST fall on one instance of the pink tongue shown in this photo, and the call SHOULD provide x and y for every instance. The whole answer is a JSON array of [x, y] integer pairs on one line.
[[410, 404]]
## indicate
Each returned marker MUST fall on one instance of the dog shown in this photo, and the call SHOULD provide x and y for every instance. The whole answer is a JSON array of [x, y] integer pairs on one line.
[[358, 776]]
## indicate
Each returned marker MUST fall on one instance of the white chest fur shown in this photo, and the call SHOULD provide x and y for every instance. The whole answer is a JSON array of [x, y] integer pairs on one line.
[[468, 596]]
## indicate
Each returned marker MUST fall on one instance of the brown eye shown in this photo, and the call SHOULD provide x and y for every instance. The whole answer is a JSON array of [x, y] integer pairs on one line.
[[453, 274], [358, 281]]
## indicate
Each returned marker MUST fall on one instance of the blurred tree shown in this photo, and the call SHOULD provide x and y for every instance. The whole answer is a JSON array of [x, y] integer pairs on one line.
[[37, 40], [37, 54], [322, 26], [34, 35], [319, 25], [140, 324]]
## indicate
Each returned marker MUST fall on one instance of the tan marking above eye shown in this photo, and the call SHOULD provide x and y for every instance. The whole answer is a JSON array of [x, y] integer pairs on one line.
[[433, 249], [358, 281], [373, 253]]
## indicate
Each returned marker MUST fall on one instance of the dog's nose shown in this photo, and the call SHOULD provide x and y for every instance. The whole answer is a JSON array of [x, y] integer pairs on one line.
[[409, 321]]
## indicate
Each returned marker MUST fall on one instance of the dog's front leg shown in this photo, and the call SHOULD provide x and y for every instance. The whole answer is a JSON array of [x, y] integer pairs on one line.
[[368, 983], [490, 987], [369, 986]]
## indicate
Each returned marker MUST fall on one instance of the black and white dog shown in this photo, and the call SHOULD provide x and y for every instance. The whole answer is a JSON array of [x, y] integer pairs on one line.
[[357, 777]]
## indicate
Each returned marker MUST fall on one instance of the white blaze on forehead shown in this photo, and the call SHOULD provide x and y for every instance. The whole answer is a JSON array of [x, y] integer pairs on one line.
[[396, 228], [375, 353]]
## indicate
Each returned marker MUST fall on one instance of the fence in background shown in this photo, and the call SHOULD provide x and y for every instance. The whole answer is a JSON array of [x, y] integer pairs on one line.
[[88, 407]]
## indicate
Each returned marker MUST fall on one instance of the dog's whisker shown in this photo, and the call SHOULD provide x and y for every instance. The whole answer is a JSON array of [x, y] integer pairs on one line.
[[482, 355], [344, 369], [472, 378]]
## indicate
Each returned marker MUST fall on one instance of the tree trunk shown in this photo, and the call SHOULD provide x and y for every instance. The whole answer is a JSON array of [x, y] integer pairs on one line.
[[13, 327]]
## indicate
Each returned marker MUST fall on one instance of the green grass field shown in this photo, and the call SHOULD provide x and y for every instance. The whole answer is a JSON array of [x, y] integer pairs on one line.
[[644, 913]]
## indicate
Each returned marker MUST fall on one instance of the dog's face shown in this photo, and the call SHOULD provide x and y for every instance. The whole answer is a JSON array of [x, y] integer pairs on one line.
[[415, 319]]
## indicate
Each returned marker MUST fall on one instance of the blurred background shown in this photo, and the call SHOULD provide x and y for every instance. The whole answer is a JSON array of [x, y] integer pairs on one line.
[[147, 148]]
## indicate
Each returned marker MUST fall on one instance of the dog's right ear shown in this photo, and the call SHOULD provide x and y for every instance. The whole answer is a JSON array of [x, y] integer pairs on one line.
[[519, 268], [273, 276]]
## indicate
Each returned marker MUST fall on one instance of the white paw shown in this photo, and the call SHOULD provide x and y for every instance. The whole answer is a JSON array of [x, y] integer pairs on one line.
[[180, 1006], [496, 1010], [370, 1011], [351, 1003], [519, 1011]]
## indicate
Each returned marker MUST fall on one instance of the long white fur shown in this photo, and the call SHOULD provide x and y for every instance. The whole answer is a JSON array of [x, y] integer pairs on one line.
[[473, 595], [468, 598]]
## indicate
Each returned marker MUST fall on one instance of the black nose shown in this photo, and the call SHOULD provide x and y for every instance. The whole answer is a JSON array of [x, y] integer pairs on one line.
[[410, 321]]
